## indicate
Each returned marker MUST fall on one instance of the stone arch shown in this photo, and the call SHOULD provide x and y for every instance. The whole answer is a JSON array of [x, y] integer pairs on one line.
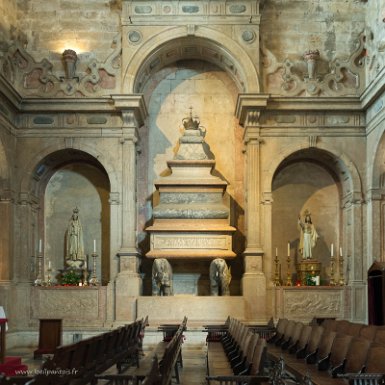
[[353, 187], [29, 183], [348, 190], [218, 49], [82, 163]]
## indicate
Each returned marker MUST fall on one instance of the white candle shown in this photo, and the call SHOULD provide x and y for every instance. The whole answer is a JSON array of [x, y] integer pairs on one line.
[[85, 264], [276, 251], [288, 249], [94, 245], [331, 250], [340, 251], [49, 264], [40, 246]]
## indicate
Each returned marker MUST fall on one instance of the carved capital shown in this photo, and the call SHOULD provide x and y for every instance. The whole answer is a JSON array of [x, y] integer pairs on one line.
[[249, 107], [114, 198], [26, 198], [267, 198], [133, 109]]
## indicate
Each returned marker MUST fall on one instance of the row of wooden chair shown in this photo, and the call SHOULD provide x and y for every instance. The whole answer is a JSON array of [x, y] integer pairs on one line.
[[238, 357], [328, 352], [160, 372], [79, 363]]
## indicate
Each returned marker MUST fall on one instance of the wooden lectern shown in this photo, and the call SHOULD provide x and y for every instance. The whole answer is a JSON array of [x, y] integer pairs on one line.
[[50, 336]]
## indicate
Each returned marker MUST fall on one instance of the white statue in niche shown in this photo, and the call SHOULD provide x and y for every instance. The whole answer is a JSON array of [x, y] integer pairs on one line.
[[74, 241], [308, 235]]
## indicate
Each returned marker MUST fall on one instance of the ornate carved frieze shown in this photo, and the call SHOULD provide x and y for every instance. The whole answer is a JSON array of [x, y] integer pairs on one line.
[[319, 303], [199, 10], [174, 241], [312, 75], [70, 304], [82, 77]]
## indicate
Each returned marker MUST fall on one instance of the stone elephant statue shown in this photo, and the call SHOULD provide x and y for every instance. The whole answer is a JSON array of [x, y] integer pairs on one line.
[[220, 277], [161, 277]]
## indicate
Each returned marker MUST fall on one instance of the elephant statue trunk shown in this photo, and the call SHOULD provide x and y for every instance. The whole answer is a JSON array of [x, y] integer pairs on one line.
[[220, 277], [161, 277]]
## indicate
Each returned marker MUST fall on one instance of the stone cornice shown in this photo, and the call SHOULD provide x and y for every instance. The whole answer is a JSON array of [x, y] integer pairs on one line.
[[259, 102], [314, 104], [375, 89], [134, 103], [250, 103], [54, 105]]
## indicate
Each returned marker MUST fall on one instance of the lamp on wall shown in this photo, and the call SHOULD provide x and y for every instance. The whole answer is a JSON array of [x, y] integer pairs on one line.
[[69, 60]]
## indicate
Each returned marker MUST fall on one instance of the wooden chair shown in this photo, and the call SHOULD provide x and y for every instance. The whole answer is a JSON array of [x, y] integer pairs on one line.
[[356, 355], [302, 341], [335, 360], [354, 329], [313, 343], [368, 332], [322, 351], [280, 330]]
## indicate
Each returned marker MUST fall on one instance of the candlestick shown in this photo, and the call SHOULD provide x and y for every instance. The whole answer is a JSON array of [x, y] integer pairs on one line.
[[288, 279], [94, 279], [277, 281], [39, 276], [341, 280], [49, 270], [332, 281]]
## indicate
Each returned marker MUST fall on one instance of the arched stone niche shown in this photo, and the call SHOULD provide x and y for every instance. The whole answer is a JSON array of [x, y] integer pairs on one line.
[[174, 44], [72, 178], [169, 94], [316, 180]]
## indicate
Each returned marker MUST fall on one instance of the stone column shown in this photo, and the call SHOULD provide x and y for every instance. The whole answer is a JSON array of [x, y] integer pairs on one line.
[[25, 240], [5, 240], [128, 281], [353, 258], [253, 280]]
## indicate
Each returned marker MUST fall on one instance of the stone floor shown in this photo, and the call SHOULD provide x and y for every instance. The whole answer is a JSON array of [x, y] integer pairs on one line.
[[192, 373]]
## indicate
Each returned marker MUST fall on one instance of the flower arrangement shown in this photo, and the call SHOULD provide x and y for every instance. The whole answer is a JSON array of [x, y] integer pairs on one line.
[[70, 278]]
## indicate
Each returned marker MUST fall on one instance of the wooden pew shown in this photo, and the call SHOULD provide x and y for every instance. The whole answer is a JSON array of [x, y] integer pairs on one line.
[[339, 357], [237, 358]]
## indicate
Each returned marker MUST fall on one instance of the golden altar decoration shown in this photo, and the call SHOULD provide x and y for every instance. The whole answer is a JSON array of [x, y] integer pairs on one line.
[[308, 267]]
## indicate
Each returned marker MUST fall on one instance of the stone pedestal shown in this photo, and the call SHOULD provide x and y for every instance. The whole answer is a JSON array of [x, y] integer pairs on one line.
[[191, 219], [254, 289]]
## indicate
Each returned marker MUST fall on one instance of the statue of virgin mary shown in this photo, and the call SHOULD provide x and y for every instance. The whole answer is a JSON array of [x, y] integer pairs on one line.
[[74, 241]]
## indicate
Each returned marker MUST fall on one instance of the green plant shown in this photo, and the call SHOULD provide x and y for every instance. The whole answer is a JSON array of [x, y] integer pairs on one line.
[[309, 281], [70, 277]]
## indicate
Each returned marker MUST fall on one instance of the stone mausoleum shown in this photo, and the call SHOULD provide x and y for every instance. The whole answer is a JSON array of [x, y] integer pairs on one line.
[[189, 130]]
